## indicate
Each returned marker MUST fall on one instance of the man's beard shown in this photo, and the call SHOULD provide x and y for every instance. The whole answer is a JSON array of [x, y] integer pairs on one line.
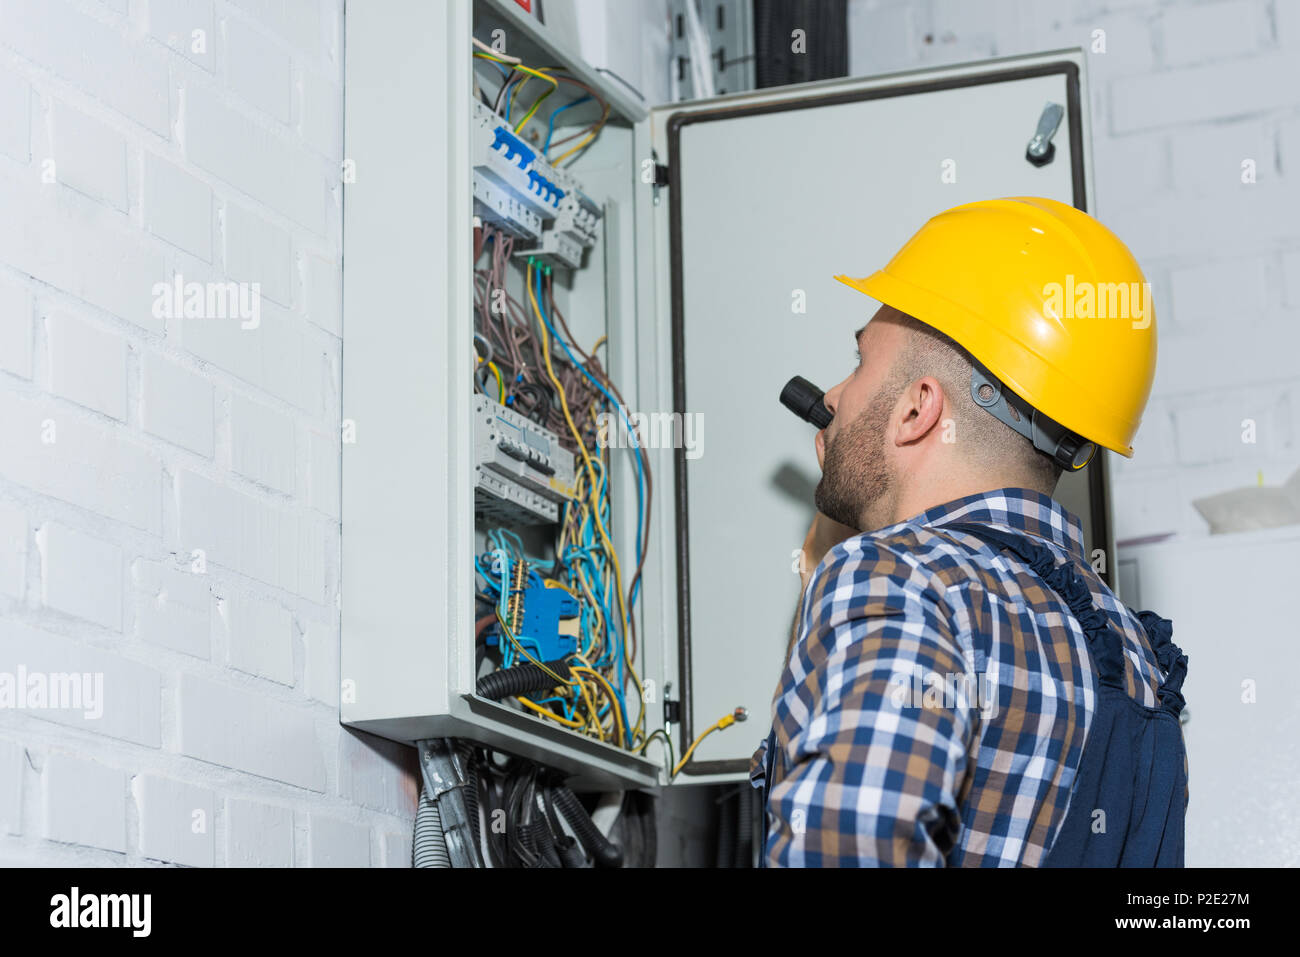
[[855, 474]]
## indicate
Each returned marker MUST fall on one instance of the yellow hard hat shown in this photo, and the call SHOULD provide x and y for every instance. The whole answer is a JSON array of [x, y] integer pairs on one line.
[[1046, 298]]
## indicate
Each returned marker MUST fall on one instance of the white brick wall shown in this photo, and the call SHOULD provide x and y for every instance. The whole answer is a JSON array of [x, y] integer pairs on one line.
[[1186, 91], [83, 802], [258, 835], [169, 484]]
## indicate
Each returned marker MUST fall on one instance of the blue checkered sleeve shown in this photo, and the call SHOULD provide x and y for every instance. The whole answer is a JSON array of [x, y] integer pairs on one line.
[[874, 722]]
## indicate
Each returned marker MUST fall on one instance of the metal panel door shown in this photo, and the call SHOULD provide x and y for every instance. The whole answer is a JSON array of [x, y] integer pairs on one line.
[[769, 195]]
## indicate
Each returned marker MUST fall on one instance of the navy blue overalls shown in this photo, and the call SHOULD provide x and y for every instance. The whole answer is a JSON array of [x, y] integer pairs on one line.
[[1128, 802]]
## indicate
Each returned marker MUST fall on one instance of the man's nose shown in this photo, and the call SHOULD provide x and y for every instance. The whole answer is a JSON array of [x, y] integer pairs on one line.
[[832, 398]]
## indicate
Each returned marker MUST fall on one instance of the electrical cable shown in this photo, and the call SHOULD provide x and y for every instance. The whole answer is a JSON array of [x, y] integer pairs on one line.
[[726, 721], [533, 299]]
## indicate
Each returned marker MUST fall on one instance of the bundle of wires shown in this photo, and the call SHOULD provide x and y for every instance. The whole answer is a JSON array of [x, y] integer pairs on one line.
[[585, 699], [526, 357], [507, 347], [529, 818], [593, 698], [518, 77]]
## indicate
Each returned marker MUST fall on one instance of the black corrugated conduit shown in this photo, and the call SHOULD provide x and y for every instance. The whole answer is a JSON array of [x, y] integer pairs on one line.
[[520, 680], [596, 844]]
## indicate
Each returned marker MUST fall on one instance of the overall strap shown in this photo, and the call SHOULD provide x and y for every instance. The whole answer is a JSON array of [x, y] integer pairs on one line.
[[1104, 641], [1160, 633]]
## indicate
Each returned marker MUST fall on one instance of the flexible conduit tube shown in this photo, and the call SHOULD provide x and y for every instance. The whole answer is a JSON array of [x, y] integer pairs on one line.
[[597, 845], [521, 679], [428, 849]]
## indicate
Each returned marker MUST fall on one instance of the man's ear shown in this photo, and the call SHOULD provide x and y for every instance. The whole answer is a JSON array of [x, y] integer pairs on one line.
[[919, 411]]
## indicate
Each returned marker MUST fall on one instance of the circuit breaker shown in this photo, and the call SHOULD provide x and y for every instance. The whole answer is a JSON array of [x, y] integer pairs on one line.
[[537, 265]]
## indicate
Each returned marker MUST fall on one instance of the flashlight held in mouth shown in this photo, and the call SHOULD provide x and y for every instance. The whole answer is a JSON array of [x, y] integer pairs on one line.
[[805, 400]]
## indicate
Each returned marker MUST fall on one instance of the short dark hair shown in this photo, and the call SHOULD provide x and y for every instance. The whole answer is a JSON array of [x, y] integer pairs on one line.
[[984, 439]]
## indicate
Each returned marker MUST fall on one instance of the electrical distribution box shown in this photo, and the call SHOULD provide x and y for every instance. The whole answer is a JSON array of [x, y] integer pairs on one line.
[[695, 243]]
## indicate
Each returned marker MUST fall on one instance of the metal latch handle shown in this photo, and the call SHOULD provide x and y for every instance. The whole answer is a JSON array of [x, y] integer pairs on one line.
[[1041, 150]]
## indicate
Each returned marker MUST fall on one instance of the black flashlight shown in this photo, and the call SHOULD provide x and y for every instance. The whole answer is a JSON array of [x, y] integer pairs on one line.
[[805, 400]]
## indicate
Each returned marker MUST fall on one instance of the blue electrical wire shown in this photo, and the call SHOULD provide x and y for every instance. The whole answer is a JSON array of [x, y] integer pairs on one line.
[[550, 127]]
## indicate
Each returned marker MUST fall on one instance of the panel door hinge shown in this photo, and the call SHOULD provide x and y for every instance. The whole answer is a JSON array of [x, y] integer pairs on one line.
[[660, 180]]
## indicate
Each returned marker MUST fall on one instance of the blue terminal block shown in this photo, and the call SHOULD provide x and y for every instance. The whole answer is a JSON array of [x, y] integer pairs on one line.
[[544, 609], [544, 189], [512, 147]]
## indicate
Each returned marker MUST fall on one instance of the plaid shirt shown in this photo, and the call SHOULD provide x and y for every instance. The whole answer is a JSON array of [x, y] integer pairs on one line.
[[935, 706]]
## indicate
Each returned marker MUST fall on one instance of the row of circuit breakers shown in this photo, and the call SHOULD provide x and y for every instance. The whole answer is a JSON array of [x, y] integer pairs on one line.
[[518, 191], [523, 475]]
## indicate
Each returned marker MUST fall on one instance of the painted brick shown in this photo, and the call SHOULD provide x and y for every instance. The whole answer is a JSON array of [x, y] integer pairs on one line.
[[92, 55], [178, 207], [323, 473], [397, 848], [260, 636], [1192, 35], [262, 541], [151, 137], [1206, 92], [1291, 277], [15, 330], [258, 252], [1147, 506], [178, 404], [13, 550], [87, 253], [1231, 293], [130, 706], [80, 462], [173, 607], [83, 802], [1237, 360], [89, 156], [324, 284], [335, 843], [1131, 167], [1250, 219], [1209, 433], [248, 732], [258, 835], [321, 641], [80, 575], [262, 164], [297, 21], [1209, 159], [262, 443], [177, 821], [87, 364], [258, 69], [1130, 46], [321, 122], [275, 356], [15, 117], [377, 773], [174, 22], [12, 760]]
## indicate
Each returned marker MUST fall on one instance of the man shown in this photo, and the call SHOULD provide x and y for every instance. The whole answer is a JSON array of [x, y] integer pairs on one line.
[[961, 687]]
